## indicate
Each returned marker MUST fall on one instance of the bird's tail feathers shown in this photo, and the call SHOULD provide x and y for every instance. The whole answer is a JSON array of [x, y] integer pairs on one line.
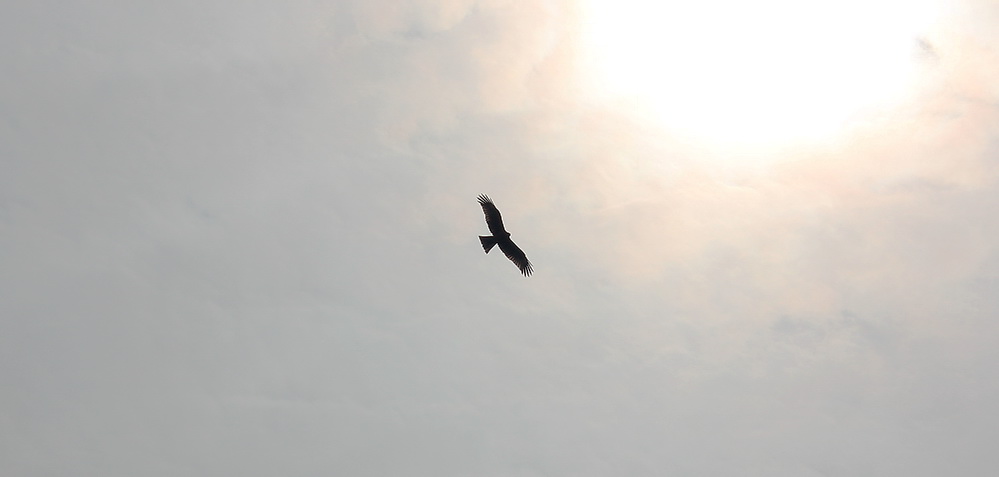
[[488, 241]]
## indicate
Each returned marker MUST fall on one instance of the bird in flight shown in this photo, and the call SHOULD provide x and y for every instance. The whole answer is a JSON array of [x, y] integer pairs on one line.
[[501, 237]]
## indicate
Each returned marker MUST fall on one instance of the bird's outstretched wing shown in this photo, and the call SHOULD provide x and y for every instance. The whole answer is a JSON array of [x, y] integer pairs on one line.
[[493, 218], [516, 255]]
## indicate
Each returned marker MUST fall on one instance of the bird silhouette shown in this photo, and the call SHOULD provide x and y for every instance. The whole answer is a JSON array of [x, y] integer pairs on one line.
[[501, 237]]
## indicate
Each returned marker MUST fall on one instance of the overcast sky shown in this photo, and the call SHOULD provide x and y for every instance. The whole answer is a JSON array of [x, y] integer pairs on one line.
[[239, 238]]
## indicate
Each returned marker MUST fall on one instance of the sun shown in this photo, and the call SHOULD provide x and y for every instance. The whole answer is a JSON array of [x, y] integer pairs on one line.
[[732, 72]]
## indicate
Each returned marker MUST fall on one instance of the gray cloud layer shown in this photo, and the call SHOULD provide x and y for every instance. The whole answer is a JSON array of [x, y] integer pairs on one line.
[[240, 239]]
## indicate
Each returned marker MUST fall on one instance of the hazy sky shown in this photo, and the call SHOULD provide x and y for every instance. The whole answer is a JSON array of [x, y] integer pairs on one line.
[[239, 238]]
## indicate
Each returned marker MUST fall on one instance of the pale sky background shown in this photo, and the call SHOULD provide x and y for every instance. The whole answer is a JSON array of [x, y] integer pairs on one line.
[[239, 238]]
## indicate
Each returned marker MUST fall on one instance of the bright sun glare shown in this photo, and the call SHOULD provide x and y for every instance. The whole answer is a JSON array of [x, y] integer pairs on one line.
[[733, 72]]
